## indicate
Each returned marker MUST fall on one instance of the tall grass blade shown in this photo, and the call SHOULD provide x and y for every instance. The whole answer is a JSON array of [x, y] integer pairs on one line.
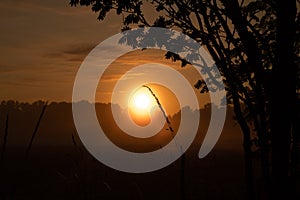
[[4, 140], [164, 113], [35, 130]]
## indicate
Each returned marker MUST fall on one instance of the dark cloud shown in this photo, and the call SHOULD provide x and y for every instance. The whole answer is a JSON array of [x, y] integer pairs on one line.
[[80, 49], [72, 52], [7, 68]]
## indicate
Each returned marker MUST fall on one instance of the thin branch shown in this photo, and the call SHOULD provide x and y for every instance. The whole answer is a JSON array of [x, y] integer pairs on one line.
[[164, 113], [4, 139], [35, 131], [160, 107]]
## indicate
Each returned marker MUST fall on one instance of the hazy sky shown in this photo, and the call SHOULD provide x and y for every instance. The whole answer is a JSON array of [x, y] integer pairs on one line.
[[44, 42], [42, 45]]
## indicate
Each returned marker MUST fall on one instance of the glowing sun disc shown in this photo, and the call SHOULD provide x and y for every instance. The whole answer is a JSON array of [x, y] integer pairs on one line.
[[141, 101]]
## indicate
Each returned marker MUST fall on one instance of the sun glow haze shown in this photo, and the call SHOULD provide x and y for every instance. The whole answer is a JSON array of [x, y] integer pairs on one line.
[[140, 105], [141, 101]]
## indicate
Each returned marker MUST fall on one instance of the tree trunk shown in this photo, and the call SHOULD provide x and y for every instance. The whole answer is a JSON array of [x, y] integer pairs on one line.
[[246, 145], [283, 97], [233, 11], [295, 155]]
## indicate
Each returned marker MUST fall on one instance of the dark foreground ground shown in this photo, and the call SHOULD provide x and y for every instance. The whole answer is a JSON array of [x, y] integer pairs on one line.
[[64, 173], [56, 168]]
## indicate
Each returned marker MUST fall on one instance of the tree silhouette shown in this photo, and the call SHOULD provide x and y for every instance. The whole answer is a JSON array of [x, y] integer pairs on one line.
[[284, 70], [254, 54]]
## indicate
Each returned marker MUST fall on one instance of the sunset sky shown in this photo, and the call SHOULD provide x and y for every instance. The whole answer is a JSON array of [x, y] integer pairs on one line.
[[43, 44]]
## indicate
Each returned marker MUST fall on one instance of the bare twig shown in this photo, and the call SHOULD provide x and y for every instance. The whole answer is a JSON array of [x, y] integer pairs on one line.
[[4, 139], [160, 107], [163, 112], [35, 130]]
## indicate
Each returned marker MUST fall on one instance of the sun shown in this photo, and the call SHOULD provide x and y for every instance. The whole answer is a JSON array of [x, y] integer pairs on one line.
[[140, 104], [142, 100]]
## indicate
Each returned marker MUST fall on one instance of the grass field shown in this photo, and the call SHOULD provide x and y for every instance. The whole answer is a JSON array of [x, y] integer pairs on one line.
[[59, 167]]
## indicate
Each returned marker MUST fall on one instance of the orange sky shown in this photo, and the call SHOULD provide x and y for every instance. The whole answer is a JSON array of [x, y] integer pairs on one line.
[[43, 43]]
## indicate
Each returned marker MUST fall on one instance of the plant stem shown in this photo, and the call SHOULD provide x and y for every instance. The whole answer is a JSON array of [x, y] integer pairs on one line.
[[35, 131]]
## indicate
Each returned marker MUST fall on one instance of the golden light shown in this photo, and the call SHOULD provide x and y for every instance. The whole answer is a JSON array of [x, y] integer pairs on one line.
[[142, 100], [140, 105]]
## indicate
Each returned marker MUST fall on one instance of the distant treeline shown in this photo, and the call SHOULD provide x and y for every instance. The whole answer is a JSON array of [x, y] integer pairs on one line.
[[57, 126]]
